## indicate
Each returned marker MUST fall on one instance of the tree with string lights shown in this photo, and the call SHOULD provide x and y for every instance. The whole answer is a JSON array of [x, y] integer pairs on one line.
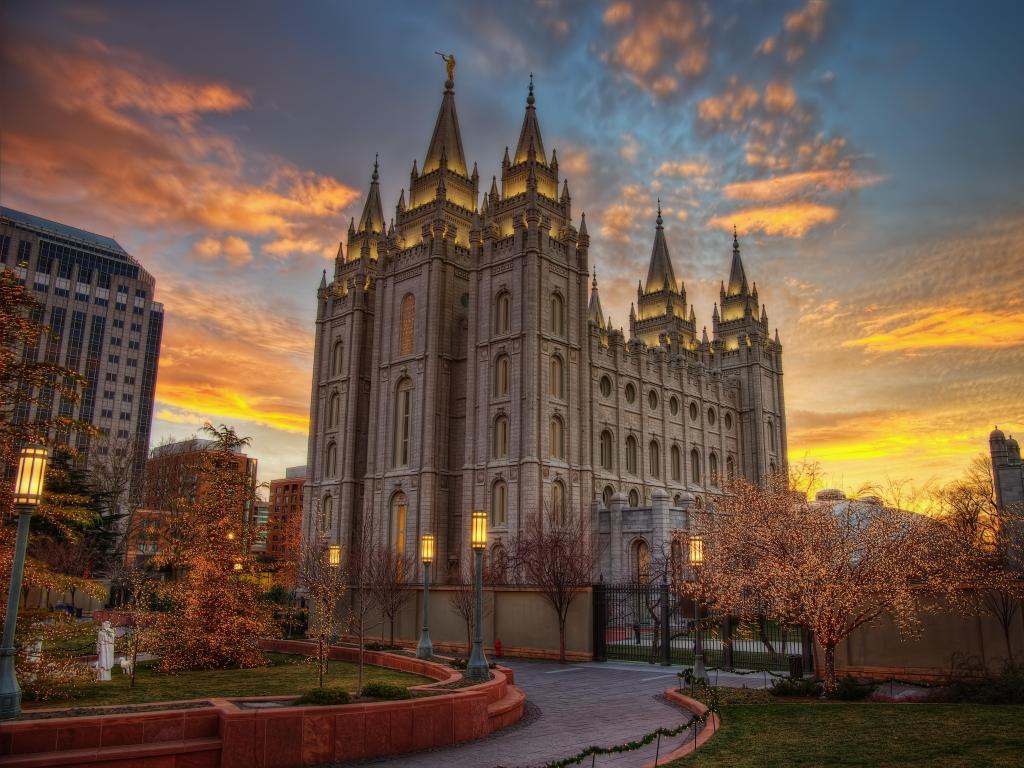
[[217, 612], [321, 573], [831, 565]]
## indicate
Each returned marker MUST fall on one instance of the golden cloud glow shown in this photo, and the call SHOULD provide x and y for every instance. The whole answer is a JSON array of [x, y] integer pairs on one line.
[[730, 106], [789, 220], [683, 169], [953, 327], [616, 13], [232, 250], [801, 184], [779, 97], [112, 128]]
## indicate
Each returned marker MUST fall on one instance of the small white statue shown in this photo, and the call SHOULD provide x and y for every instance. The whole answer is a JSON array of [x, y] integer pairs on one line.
[[104, 651], [126, 665]]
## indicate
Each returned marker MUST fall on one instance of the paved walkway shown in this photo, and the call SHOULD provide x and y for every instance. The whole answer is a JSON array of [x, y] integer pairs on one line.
[[570, 708]]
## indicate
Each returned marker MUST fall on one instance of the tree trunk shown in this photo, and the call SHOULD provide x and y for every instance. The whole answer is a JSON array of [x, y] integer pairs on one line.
[[320, 654], [391, 642], [561, 641], [830, 667]]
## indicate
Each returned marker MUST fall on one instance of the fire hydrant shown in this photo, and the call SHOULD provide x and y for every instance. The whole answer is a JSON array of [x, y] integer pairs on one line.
[[497, 648]]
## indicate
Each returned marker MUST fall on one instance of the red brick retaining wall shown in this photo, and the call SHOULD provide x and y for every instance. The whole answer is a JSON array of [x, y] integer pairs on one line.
[[223, 735]]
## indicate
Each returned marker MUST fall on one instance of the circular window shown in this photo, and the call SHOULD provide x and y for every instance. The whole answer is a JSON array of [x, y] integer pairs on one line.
[[630, 393], [728, 421], [711, 417], [693, 411], [606, 386], [652, 399], [673, 406]]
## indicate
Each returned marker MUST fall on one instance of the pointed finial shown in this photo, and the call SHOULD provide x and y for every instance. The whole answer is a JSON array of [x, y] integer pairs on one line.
[[595, 276], [735, 239], [529, 99], [659, 219], [376, 166]]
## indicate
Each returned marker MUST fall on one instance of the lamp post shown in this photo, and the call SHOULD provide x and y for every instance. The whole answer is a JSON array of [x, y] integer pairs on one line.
[[477, 667], [28, 490], [696, 561], [425, 649]]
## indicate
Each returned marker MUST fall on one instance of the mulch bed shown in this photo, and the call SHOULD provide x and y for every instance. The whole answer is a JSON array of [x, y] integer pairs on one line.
[[49, 714]]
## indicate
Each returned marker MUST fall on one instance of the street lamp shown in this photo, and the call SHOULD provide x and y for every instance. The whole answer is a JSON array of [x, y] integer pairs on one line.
[[334, 556], [425, 649], [696, 561], [28, 490], [477, 668]]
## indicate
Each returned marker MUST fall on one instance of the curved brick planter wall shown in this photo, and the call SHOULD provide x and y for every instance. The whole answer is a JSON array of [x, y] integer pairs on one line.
[[709, 729], [223, 735]]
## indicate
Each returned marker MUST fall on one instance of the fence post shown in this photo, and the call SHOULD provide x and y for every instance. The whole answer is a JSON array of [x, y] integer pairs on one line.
[[807, 649], [666, 630], [727, 643], [600, 611]]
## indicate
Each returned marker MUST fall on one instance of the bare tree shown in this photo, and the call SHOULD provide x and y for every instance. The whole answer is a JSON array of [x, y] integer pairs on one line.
[[390, 583], [462, 599], [324, 582], [362, 563], [557, 555], [138, 591], [831, 565]]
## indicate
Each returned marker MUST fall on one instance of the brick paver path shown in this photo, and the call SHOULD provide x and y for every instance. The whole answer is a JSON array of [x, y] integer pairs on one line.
[[580, 705]]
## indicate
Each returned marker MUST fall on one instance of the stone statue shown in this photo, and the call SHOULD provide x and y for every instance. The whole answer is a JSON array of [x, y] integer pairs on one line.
[[104, 651], [449, 61]]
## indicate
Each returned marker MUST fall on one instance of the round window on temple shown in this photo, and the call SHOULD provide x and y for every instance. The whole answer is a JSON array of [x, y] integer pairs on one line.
[[652, 399], [630, 393], [693, 411], [711, 417], [728, 421], [606, 386], [673, 406]]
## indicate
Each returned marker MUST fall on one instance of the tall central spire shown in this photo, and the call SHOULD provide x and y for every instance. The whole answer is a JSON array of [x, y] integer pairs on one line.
[[660, 275], [737, 277], [530, 134], [446, 143]]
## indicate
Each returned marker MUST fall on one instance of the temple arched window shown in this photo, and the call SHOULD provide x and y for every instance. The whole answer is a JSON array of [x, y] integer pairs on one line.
[[333, 409], [403, 422], [396, 529], [607, 450], [631, 457], [677, 463], [695, 466], [556, 377], [502, 375], [557, 438], [558, 502], [557, 314], [499, 503], [501, 437], [503, 312], [331, 460], [337, 355], [654, 459]]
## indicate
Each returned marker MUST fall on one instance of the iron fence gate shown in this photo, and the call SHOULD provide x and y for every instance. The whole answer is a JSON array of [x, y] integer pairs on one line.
[[653, 623]]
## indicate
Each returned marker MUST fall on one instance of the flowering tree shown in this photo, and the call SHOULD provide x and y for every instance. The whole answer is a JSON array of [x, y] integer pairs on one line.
[[991, 541], [324, 583], [218, 615], [556, 554], [832, 565]]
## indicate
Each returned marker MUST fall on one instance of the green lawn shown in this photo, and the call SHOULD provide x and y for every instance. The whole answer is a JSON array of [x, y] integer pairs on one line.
[[864, 734], [286, 674]]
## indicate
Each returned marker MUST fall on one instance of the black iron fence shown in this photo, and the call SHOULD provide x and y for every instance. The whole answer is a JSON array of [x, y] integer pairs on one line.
[[653, 623]]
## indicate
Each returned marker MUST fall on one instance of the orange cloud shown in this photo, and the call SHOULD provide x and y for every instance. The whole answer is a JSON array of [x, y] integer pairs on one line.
[[683, 168], [617, 221], [263, 358], [659, 36], [779, 97], [948, 328], [573, 160], [232, 250], [809, 20], [790, 220], [799, 185], [730, 106], [105, 135]]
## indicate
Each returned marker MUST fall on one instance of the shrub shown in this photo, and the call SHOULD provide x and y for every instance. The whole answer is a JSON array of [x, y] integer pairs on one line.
[[849, 688], [376, 689], [323, 697], [801, 687], [382, 647], [1007, 688], [458, 663]]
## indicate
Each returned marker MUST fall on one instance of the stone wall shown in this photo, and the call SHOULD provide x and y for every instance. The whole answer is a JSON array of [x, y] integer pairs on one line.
[[519, 617], [948, 642]]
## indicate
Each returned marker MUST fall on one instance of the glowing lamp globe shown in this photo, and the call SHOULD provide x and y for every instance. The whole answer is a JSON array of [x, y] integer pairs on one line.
[[28, 486], [427, 549], [334, 555], [478, 533]]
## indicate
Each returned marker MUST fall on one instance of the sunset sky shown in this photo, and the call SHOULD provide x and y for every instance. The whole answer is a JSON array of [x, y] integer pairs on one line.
[[871, 155]]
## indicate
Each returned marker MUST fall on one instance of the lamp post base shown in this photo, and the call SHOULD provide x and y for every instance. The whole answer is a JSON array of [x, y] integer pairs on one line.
[[477, 669], [10, 691], [425, 650]]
